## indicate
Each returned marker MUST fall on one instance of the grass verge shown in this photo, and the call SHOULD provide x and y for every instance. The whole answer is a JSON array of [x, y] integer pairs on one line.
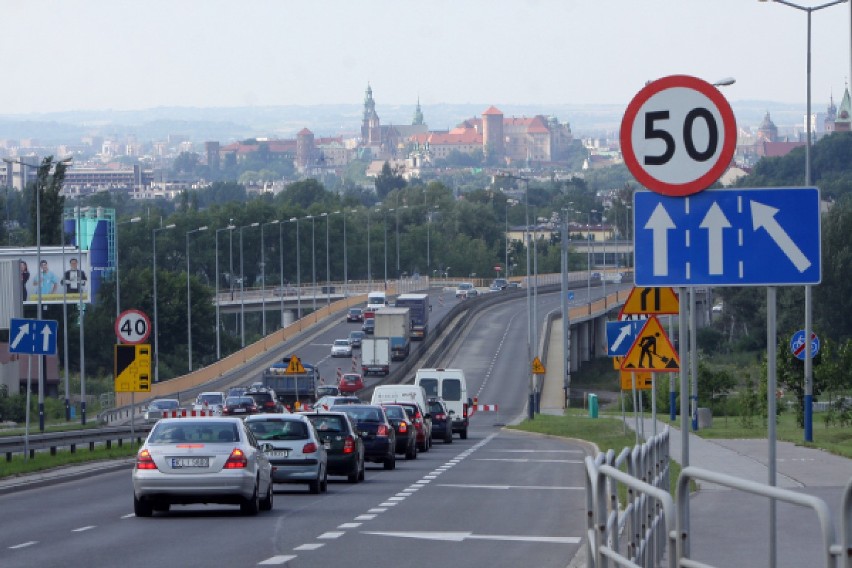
[[45, 461]]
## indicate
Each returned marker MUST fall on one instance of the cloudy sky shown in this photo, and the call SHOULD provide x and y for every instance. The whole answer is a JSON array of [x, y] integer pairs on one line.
[[123, 55]]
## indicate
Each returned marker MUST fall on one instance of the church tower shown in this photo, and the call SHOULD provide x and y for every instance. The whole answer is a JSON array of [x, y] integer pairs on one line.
[[767, 131], [418, 114], [370, 124], [492, 133], [843, 123]]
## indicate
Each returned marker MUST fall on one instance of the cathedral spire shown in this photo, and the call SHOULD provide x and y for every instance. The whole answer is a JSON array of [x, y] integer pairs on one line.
[[418, 114]]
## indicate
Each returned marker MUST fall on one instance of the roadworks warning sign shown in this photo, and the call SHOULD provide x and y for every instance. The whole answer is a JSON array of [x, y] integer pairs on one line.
[[651, 351]]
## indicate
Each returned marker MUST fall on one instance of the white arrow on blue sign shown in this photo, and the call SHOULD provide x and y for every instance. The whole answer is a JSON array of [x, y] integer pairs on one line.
[[620, 336], [728, 237], [32, 337]]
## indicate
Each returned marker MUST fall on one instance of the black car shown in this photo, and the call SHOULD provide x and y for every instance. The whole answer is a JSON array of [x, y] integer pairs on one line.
[[376, 431], [266, 400], [355, 338], [369, 326], [355, 315], [343, 444], [406, 433], [422, 424], [442, 421]]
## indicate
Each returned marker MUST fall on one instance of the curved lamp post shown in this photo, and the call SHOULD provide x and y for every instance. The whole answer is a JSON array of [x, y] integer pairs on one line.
[[156, 329], [298, 269], [230, 227], [189, 300], [243, 287], [263, 276]]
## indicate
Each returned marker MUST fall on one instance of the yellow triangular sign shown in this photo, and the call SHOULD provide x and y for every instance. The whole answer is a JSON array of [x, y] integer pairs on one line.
[[651, 351], [537, 367], [651, 301], [295, 367]]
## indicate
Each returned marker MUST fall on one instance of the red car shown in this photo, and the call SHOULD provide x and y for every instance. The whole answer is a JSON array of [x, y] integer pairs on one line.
[[350, 382]]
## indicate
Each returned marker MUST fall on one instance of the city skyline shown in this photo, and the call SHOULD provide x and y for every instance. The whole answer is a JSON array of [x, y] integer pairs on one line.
[[81, 55]]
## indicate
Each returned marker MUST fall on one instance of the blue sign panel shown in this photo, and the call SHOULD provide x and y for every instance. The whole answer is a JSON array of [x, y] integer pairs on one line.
[[620, 336], [728, 237], [797, 345], [32, 337]]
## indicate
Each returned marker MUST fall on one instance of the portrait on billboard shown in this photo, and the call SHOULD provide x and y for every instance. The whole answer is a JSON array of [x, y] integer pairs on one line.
[[55, 275]]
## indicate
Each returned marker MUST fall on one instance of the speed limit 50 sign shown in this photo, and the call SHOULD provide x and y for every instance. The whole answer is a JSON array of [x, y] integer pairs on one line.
[[132, 327], [678, 135]]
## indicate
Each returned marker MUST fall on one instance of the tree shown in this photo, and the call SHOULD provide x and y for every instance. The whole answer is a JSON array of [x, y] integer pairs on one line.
[[388, 180], [49, 201]]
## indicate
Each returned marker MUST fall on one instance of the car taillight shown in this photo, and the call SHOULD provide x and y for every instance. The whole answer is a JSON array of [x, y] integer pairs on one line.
[[464, 411], [403, 427], [309, 448], [348, 445], [440, 417], [382, 430], [237, 460], [145, 461]]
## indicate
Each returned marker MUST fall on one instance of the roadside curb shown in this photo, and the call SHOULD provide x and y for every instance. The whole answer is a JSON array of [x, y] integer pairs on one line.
[[62, 474]]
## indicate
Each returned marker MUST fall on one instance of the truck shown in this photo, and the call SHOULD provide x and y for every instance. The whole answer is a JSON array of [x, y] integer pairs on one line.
[[420, 308], [293, 381], [395, 324], [375, 356], [375, 301]]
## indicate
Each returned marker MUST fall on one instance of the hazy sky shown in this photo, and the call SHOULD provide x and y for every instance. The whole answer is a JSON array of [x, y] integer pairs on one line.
[[122, 55]]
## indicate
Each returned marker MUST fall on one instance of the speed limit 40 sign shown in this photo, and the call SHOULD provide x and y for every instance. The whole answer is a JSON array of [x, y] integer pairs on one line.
[[678, 135], [132, 327]]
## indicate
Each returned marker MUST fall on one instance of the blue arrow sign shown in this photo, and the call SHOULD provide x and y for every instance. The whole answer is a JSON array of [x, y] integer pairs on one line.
[[620, 336], [32, 337], [728, 237]]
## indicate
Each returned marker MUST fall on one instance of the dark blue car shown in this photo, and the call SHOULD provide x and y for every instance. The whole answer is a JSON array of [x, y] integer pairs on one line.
[[375, 430]]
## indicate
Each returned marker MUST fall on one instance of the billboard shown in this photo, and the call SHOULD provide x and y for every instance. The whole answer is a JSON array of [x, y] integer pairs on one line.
[[59, 275]]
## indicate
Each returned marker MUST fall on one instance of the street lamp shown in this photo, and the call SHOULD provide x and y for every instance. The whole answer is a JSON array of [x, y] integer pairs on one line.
[[230, 227], [243, 287], [808, 398], [385, 227], [369, 261], [47, 168], [156, 331], [313, 263], [589, 259], [117, 281], [189, 299], [298, 269], [327, 263], [263, 276]]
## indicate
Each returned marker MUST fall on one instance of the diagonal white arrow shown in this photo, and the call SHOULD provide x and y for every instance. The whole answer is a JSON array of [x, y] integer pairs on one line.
[[764, 216], [45, 338], [715, 222], [22, 333], [622, 335], [660, 222]]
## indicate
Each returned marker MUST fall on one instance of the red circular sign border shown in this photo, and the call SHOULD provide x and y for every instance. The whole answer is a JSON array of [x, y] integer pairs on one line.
[[118, 320], [729, 144]]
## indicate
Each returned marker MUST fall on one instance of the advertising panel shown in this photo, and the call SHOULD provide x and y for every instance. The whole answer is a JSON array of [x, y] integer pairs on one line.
[[63, 276]]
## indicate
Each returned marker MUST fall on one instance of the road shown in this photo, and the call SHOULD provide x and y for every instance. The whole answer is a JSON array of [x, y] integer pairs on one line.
[[499, 498]]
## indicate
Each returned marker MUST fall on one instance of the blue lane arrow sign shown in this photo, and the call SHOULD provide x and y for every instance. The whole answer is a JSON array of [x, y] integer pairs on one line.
[[620, 336], [32, 337], [728, 237]]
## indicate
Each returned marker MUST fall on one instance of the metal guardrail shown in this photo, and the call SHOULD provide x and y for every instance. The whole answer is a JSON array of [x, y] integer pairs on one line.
[[52, 441], [648, 518]]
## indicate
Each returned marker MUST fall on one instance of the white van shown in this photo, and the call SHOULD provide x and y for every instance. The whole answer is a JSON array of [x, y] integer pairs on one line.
[[400, 393], [450, 385], [376, 300]]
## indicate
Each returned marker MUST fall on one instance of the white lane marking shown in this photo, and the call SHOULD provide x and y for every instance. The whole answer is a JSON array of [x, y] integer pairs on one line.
[[349, 525], [83, 529], [377, 510], [365, 517], [507, 487], [397, 498], [128, 516], [461, 536], [539, 451], [331, 534], [524, 460], [23, 544], [312, 546], [276, 560], [387, 504]]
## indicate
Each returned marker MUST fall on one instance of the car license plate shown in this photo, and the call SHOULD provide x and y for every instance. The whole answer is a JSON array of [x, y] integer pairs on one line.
[[327, 445], [239, 410], [278, 453], [178, 463]]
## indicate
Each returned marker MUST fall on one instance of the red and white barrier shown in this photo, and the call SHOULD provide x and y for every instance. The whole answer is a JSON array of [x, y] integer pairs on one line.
[[486, 408], [184, 413]]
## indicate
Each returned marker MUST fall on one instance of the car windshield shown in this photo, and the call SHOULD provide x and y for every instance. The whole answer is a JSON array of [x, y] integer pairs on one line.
[[396, 412], [208, 432], [278, 429], [210, 398], [234, 400], [163, 404], [364, 414], [341, 342], [260, 396]]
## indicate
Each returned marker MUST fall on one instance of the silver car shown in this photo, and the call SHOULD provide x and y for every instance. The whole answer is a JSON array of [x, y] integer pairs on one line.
[[157, 407], [297, 454], [201, 460]]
